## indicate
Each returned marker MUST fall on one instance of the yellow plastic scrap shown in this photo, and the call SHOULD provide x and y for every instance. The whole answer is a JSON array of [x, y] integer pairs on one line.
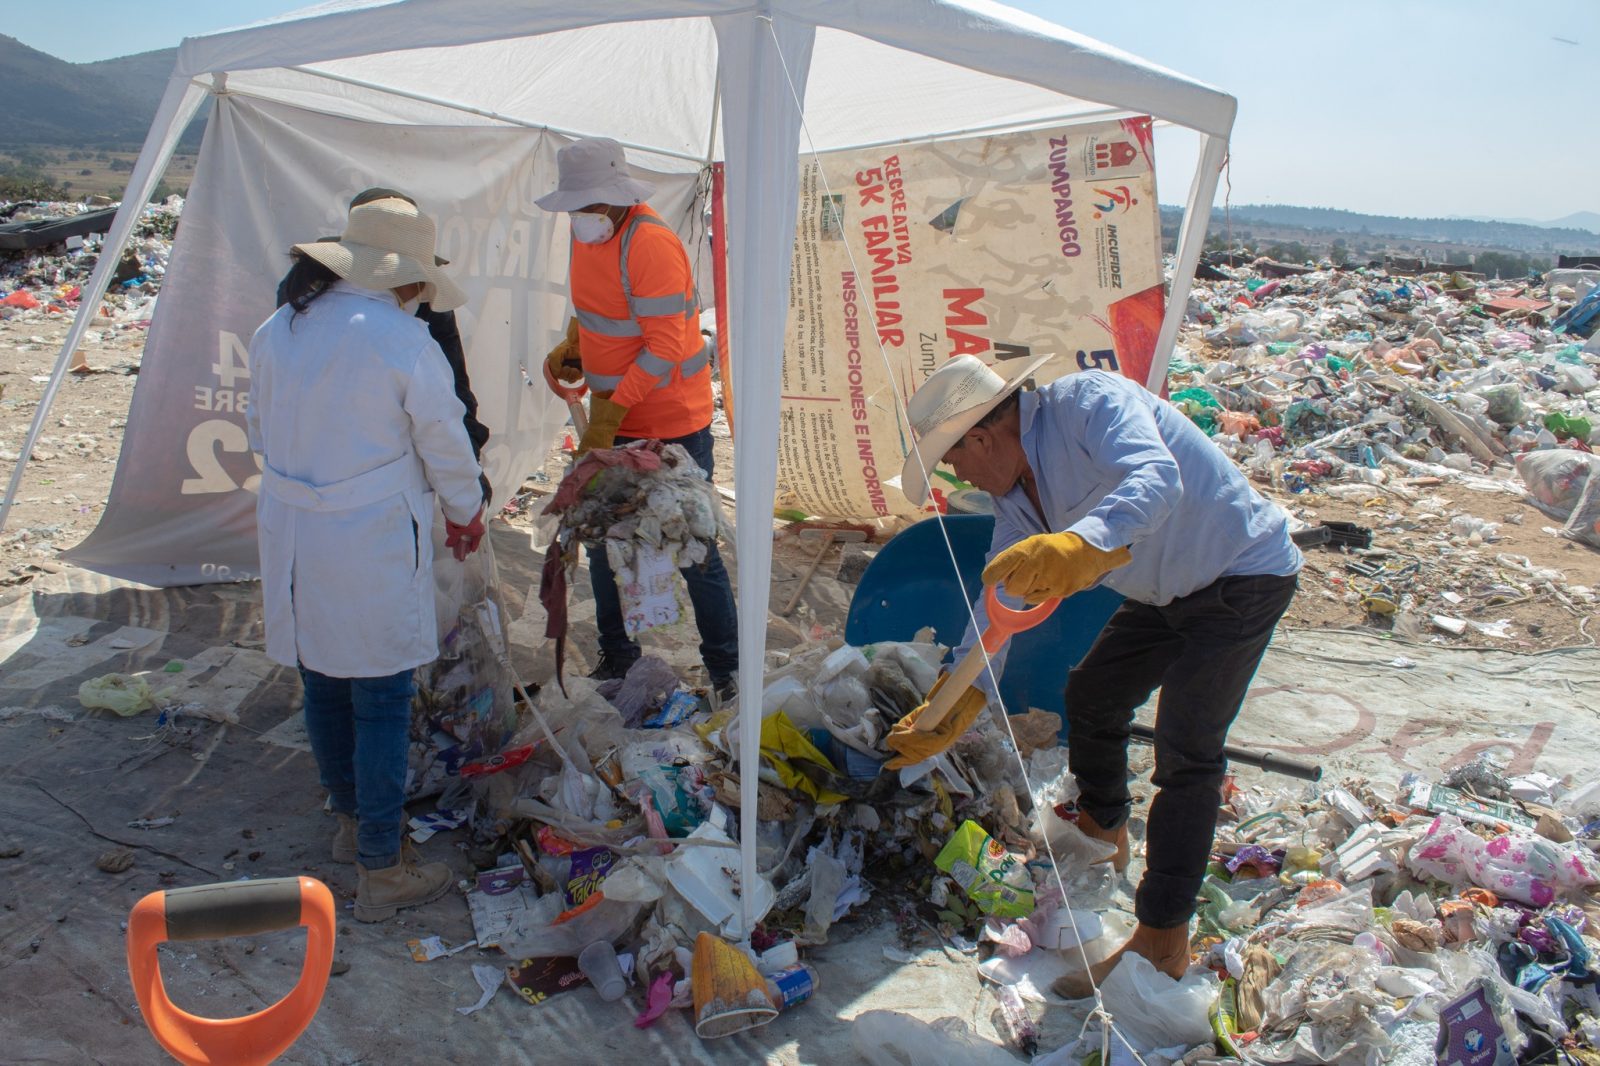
[[782, 741]]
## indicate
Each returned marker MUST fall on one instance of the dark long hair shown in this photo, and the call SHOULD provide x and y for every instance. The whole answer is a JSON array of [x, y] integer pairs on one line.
[[307, 279]]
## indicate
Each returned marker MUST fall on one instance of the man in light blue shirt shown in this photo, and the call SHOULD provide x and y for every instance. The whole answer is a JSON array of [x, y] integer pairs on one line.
[[1095, 480]]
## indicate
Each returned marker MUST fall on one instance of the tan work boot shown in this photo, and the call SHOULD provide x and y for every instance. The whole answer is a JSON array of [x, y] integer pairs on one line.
[[1118, 836], [1168, 949], [344, 839], [408, 883]]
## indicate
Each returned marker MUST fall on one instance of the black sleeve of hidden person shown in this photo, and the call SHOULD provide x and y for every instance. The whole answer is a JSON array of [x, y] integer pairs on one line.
[[442, 327]]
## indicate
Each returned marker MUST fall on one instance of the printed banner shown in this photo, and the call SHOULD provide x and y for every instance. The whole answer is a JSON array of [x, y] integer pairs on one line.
[[1000, 247], [182, 505]]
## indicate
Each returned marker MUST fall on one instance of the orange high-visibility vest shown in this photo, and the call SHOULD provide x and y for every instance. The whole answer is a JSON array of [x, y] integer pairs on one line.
[[639, 327]]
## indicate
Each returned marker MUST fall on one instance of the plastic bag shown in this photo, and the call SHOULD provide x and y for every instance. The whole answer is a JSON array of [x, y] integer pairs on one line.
[[1584, 522], [545, 931], [1518, 866], [1154, 1011], [1557, 477], [890, 1038], [120, 693], [648, 682]]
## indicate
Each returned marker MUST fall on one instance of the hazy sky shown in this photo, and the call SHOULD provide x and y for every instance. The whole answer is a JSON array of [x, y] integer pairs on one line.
[[1406, 107]]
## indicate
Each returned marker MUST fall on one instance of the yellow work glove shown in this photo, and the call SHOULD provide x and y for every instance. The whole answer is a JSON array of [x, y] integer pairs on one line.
[[1049, 565], [911, 747], [563, 360], [604, 419]]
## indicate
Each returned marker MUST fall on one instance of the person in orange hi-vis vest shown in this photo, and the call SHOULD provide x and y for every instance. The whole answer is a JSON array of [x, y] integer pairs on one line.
[[635, 340]]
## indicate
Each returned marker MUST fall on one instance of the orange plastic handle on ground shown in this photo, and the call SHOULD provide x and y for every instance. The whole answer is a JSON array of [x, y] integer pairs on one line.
[[1004, 623], [235, 908]]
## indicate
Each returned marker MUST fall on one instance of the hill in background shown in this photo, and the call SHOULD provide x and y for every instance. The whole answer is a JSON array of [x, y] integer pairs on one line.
[[103, 105]]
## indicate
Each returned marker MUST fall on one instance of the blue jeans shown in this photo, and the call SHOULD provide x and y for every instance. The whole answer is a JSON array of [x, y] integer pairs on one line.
[[710, 591], [360, 732]]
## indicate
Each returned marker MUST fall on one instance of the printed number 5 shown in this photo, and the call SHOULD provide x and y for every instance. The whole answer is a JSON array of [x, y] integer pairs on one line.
[[204, 440], [1099, 359]]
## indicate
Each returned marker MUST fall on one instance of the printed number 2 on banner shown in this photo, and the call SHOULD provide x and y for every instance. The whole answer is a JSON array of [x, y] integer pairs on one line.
[[1099, 359], [204, 440]]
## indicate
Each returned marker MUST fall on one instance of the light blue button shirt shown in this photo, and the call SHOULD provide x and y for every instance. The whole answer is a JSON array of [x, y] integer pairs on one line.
[[1121, 467]]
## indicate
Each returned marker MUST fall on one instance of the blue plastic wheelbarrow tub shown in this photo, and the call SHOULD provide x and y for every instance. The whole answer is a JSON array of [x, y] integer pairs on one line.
[[910, 584]]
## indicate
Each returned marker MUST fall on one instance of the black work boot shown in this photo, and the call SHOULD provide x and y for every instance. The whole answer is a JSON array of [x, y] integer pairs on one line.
[[612, 667]]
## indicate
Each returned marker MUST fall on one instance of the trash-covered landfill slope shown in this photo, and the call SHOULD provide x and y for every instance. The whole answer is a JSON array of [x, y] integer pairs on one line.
[[46, 279], [1426, 408]]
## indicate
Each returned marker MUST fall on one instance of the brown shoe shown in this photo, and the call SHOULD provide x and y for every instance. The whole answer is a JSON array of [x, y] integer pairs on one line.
[[408, 883], [344, 839], [1168, 949], [1118, 836]]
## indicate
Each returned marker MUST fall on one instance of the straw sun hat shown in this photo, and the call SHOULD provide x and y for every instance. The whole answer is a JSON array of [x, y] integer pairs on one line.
[[953, 400], [386, 244]]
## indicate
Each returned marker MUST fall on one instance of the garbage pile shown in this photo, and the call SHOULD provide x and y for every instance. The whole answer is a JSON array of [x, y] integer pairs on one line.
[[38, 279], [1357, 376], [1353, 926]]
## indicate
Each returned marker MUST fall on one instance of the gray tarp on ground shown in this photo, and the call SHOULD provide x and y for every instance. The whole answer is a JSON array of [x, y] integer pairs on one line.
[[74, 779]]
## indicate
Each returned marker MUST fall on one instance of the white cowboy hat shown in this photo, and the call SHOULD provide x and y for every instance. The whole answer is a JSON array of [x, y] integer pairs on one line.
[[594, 171], [386, 244], [953, 400]]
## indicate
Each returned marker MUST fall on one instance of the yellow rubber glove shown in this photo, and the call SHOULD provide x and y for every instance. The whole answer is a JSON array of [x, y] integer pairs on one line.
[[1048, 565], [912, 747], [605, 418], [563, 360]]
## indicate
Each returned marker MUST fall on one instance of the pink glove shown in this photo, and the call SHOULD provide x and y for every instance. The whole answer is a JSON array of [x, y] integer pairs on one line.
[[464, 540]]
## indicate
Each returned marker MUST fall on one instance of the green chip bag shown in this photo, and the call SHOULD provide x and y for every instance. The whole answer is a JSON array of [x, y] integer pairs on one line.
[[992, 877]]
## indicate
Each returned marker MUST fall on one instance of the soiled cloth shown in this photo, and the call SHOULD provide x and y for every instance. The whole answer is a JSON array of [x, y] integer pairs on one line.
[[643, 456]]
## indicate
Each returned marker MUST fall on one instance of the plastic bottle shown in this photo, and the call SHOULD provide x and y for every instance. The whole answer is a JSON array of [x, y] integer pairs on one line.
[[1018, 1023], [793, 986]]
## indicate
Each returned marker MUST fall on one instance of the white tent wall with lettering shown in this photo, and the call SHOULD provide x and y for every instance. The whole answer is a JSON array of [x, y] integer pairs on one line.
[[684, 83]]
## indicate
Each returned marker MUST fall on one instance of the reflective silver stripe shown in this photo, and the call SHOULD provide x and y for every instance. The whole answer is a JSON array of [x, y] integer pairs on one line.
[[652, 363], [608, 327], [602, 382], [696, 362], [647, 306]]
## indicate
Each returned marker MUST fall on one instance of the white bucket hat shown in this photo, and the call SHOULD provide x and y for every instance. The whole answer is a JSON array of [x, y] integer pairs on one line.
[[953, 400], [388, 243], [594, 171]]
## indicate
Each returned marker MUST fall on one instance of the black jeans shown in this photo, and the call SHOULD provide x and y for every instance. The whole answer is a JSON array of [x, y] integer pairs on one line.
[[1201, 650], [710, 590]]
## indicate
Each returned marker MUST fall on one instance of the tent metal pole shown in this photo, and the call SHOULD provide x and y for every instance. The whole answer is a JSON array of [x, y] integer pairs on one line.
[[469, 109], [997, 127], [178, 105], [1197, 216]]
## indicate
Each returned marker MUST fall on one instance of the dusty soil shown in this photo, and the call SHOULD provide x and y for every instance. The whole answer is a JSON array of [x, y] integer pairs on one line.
[[65, 489]]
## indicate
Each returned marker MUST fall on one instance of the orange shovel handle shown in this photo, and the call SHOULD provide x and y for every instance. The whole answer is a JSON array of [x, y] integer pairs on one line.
[[1004, 623], [235, 908], [567, 393]]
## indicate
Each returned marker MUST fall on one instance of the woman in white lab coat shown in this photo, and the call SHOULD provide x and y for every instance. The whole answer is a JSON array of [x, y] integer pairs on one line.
[[353, 412]]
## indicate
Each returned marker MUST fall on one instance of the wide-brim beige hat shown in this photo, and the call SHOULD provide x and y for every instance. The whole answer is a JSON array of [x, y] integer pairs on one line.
[[594, 171], [386, 244], [953, 400]]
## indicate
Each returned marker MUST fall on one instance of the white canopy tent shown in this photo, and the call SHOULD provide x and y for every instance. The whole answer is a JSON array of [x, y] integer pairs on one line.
[[685, 83]]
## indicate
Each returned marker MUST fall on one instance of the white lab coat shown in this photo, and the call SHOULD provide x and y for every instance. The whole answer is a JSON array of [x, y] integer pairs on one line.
[[354, 415]]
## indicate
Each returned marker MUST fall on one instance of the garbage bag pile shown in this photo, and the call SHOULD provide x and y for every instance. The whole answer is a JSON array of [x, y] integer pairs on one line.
[[49, 280], [1361, 377]]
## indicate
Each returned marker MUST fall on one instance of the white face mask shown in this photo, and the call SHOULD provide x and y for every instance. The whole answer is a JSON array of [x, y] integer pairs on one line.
[[591, 228], [410, 306]]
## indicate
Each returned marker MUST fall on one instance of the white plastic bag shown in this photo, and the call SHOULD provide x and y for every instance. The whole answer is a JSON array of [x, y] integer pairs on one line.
[[1152, 1010]]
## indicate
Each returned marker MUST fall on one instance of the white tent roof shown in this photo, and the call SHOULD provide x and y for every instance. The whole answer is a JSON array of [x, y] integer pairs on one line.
[[645, 71], [687, 81]]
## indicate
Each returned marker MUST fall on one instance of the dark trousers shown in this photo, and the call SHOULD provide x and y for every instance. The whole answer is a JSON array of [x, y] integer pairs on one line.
[[710, 591], [1201, 650]]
